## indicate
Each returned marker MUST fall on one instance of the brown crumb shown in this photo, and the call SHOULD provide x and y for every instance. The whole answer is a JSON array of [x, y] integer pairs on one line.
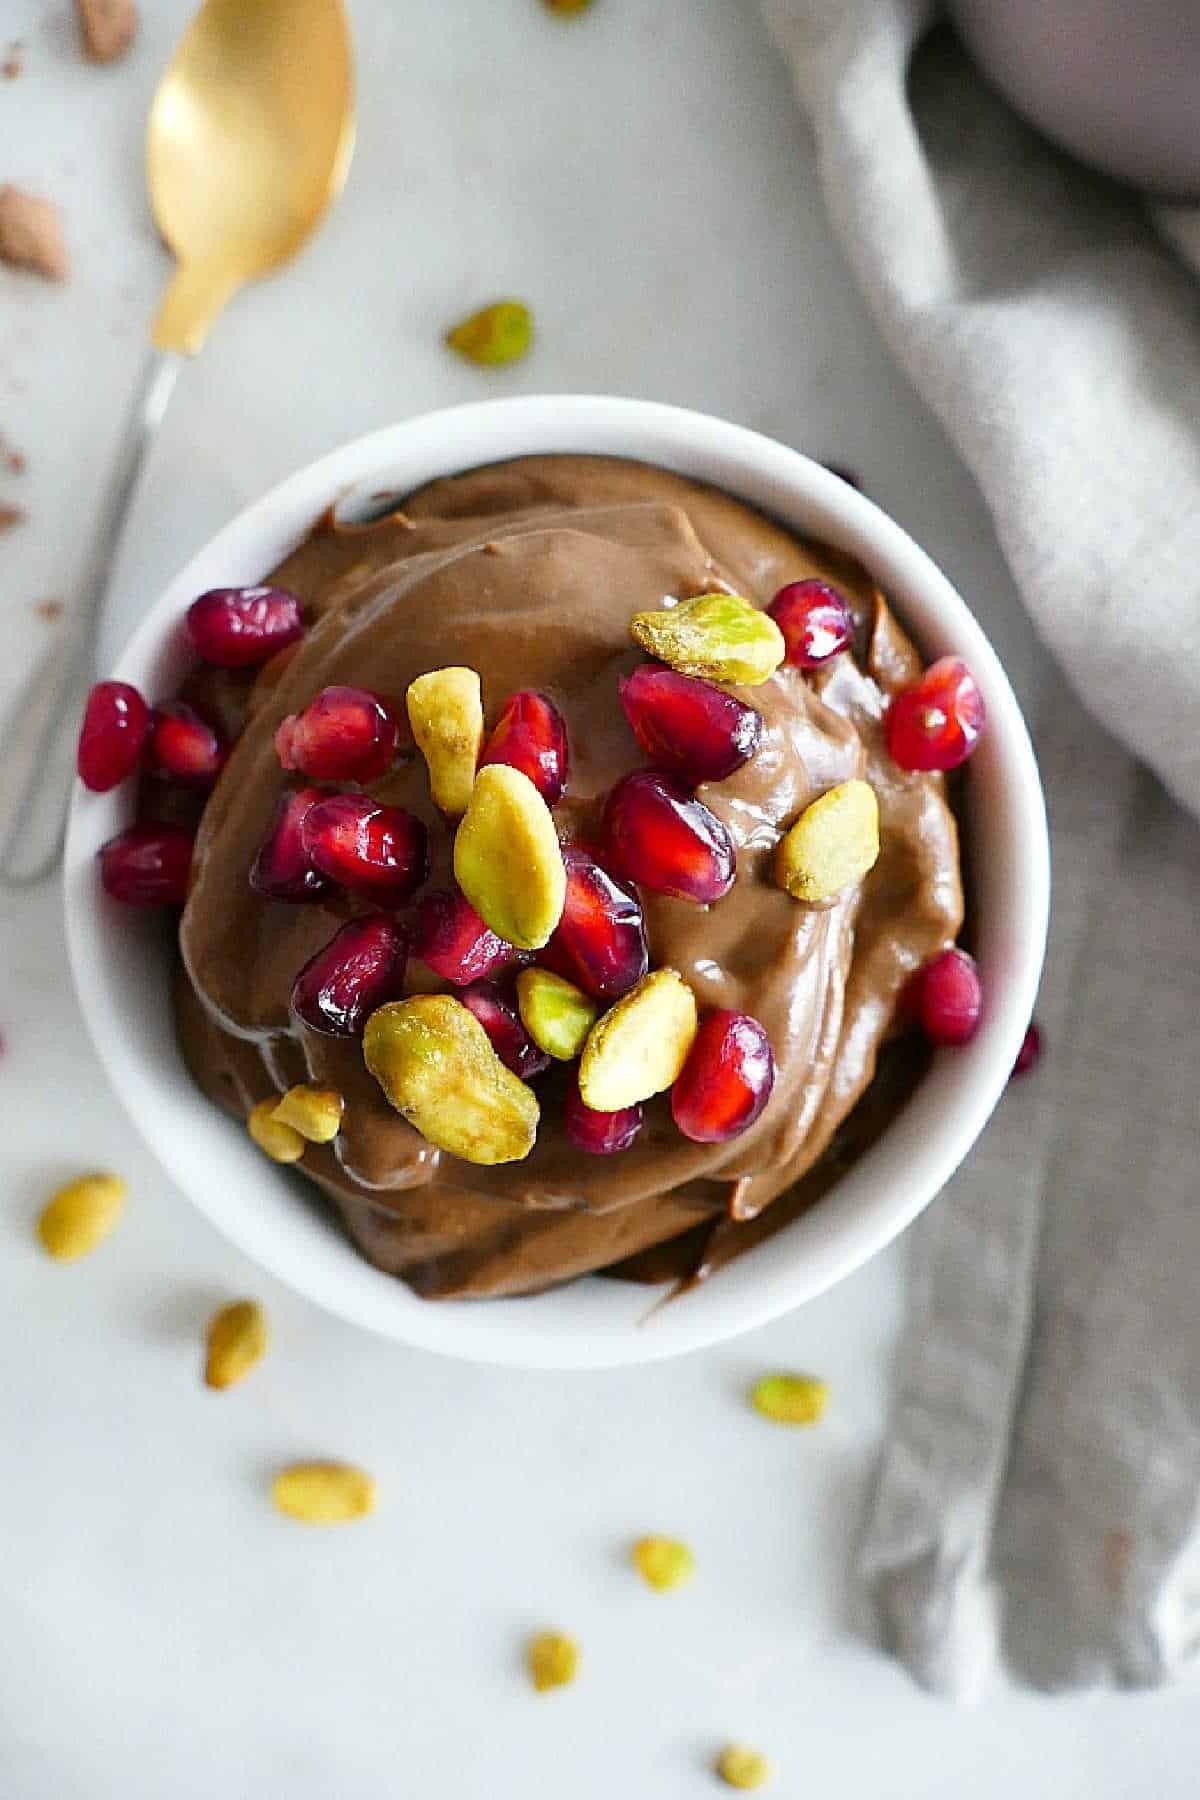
[[10, 459], [14, 63], [49, 610], [108, 26], [31, 234], [10, 518]]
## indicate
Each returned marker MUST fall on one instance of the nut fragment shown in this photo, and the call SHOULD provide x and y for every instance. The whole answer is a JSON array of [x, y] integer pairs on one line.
[[568, 7], [498, 334], [556, 1014], [553, 1660], [11, 517], [507, 859], [81, 1215], [639, 1045], [445, 710], [108, 26], [719, 637], [237, 1339], [834, 843], [31, 234], [663, 1562], [316, 1113], [324, 1493], [790, 1399], [282, 1143], [435, 1063], [740, 1767]]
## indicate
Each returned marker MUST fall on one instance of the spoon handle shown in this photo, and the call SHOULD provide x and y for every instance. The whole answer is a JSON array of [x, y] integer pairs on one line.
[[38, 763]]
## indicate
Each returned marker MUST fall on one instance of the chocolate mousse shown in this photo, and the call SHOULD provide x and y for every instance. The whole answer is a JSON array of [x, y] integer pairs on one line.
[[764, 913]]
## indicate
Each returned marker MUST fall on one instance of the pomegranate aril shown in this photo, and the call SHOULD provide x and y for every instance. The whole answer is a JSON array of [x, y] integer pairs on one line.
[[598, 1133], [945, 998], [236, 628], [502, 1022], [600, 941], [815, 620], [184, 745], [453, 941], [530, 735], [936, 723], [282, 869], [668, 841], [726, 1080], [360, 969], [116, 724], [147, 865], [1030, 1052], [689, 726], [344, 734], [379, 851]]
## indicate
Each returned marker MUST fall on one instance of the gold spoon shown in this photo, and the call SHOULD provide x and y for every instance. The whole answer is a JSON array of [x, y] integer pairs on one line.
[[248, 143]]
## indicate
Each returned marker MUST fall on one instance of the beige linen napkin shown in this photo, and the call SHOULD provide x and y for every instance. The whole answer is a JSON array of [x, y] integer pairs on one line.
[[1038, 1492]]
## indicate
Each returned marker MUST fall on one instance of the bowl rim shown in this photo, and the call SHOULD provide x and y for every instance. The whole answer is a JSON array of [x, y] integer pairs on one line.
[[573, 1326]]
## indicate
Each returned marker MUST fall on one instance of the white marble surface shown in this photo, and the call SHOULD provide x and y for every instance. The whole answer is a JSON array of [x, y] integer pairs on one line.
[[642, 177]]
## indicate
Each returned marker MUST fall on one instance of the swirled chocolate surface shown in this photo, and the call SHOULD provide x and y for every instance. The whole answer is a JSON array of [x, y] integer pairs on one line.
[[529, 572]]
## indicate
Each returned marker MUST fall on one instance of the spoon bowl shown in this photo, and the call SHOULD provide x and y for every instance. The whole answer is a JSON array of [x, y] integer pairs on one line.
[[248, 142]]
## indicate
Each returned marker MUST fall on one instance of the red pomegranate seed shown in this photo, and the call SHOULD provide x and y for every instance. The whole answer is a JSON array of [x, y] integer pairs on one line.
[[530, 735], [726, 1080], [360, 968], [379, 851], [688, 726], [502, 1022], [815, 620], [668, 841], [598, 1133], [147, 865], [282, 869], [239, 627], [116, 724], [345, 734], [945, 998], [453, 941], [1030, 1052], [600, 941], [936, 723], [184, 746]]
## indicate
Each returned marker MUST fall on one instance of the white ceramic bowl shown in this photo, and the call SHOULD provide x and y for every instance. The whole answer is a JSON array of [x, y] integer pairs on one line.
[[120, 964]]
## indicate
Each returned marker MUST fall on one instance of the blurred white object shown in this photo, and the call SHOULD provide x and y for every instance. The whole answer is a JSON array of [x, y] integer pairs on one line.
[[1116, 84]]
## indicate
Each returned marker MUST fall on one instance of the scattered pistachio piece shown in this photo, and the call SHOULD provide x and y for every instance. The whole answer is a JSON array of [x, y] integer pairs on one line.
[[507, 859], [834, 843], [445, 710], [282, 1143], [435, 1063], [638, 1047], [497, 335], [316, 1113], [237, 1339], [81, 1215], [740, 1767], [556, 1014], [719, 637], [663, 1562], [553, 1660], [567, 8], [790, 1399], [324, 1493]]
